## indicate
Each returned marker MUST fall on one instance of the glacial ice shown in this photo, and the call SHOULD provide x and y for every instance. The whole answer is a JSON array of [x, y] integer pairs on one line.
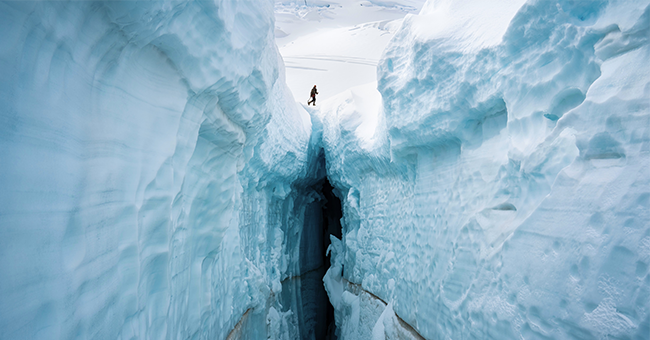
[[149, 152], [503, 192], [159, 181]]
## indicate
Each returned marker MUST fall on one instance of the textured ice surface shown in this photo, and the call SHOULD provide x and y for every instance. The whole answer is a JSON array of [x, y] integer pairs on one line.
[[147, 154], [503, 189]]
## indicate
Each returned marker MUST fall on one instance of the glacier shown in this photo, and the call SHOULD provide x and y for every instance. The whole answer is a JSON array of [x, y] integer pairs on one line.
[[160, 182]]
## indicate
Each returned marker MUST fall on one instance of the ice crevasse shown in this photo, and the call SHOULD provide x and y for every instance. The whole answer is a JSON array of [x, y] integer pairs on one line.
[[159, 182], [501, 190]]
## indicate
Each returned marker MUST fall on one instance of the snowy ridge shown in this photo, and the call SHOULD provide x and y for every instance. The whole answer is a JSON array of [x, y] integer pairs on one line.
[[148, 153], [506, 194]]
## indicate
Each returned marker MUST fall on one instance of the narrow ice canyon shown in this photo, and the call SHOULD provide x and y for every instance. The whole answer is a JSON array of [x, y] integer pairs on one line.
[[486, 175]]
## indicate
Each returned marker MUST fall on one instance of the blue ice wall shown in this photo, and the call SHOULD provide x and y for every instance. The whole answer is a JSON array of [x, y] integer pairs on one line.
[[503, 191], [148, 151]]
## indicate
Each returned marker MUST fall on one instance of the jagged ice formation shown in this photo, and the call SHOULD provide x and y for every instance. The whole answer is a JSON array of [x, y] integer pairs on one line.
[[502, 189]]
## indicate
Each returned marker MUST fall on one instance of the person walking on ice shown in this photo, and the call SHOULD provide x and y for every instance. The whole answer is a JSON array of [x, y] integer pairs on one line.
[[312, 98]]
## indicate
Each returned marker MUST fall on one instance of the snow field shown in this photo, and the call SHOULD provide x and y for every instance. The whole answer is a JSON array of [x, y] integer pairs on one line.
[[335, 44]]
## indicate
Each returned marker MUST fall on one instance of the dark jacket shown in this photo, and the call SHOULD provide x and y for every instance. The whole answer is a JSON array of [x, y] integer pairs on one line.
[[314, 92]]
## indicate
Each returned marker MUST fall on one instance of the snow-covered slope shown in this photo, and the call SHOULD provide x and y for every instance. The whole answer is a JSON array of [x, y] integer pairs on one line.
[[147, 155], [335, 44], [502, 189]]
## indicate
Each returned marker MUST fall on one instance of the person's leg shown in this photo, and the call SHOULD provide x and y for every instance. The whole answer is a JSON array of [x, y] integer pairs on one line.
[[314, 101]]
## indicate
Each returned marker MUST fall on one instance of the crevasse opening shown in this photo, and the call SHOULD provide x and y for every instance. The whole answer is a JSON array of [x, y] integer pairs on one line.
[[332, 213], [304, 295]]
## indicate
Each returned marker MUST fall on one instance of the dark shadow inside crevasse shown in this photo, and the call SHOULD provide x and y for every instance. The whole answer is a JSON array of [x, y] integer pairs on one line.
[[332, 213], [303, 297], [311, 218], [322, 219]]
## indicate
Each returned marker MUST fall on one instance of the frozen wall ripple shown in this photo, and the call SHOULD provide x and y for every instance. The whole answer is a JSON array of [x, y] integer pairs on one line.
[[148, 151]]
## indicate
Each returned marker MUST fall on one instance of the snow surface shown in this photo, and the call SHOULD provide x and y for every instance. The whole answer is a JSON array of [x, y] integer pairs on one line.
[[335, 45], [503, 192]]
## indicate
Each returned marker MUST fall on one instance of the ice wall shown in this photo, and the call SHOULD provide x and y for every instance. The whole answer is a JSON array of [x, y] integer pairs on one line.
[[148, 151], [502, 189]]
